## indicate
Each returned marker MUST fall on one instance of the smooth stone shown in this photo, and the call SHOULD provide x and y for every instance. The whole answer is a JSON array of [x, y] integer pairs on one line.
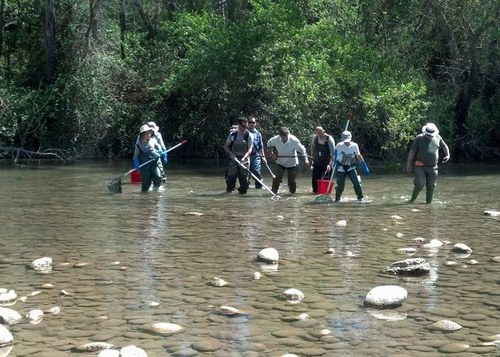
[[269, 255], [461, 248], [94, 346], [388, 315], [453, 348], [341, 223], [386, 296], [6, 337], [109, 353], [446, 325], [492, 213], [42, 264], [293, 295], [216, 281], [410, 267], [7, 296], [9, 317], [166, 328], [206, 345], [433, 244], [132, 351], [35, 316]]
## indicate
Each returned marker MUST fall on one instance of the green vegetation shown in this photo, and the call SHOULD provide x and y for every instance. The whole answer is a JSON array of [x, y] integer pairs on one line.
[[83, 76]]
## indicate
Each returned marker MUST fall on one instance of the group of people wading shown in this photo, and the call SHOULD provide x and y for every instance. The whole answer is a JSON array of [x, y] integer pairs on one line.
[[245, 148]]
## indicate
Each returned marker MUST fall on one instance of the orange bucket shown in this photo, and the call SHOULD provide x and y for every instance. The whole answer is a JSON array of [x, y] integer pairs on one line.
[[323, 186], [135, 176]]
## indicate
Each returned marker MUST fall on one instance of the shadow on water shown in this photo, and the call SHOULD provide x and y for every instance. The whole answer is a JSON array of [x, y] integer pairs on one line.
[[126, 261]]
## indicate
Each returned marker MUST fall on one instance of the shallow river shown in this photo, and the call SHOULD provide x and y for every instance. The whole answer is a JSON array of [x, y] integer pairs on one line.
[[122, 262]]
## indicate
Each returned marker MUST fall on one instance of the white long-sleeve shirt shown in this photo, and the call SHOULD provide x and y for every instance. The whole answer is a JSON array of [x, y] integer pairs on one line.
[[287, 151]]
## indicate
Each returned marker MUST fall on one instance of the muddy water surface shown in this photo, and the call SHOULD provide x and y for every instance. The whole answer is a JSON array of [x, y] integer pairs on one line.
[[123, 262]]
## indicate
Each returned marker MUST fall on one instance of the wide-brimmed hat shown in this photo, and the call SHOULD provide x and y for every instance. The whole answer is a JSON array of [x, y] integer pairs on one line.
[[430, 129], [153, 126], [144, 128], [346, 136]]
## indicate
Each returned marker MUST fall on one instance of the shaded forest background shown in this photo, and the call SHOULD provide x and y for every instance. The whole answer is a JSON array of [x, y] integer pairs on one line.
[[82, 76]]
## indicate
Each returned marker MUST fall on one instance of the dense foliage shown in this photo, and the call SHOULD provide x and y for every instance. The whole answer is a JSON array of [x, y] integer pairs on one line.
[[83, 76]]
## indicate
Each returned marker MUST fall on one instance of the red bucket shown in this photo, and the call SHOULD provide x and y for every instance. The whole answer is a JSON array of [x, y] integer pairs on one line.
[[323, 185], [135, 177]]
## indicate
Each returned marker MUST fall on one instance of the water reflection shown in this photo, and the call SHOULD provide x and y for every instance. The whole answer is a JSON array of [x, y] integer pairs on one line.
[[116, 255]]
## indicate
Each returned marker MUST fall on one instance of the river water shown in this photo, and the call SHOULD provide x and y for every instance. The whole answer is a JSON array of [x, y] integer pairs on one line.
[[122, 262]]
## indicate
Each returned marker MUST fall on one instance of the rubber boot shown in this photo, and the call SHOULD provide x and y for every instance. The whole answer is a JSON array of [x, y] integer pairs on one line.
[[414, 195], [429, 193]]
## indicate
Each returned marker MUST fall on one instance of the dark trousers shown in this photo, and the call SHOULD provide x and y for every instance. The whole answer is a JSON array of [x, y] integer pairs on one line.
[[150, 173], [233, 172], [353, 176], [292, 176]]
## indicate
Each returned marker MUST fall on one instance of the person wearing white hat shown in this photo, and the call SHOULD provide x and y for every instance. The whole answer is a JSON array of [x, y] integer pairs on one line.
[[148, 149], [423, 159], [347, 156], [164, 157]]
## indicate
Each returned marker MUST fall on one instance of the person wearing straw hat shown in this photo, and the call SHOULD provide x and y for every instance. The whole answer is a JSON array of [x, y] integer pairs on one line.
[[285, 147], [146, 149], [348, 155], [258, 155], [322, 148], [423, 159], [238, 146]]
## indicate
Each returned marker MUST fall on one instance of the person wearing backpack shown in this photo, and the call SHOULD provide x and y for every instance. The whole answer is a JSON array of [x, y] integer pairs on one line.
[[148, 149], [238, 146]]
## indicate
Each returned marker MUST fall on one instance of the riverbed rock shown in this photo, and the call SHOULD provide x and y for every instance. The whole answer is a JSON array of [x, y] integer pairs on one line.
[[94, 346], [109, 353], [410, 267], [387, 315], [9, 317], [269, 255], [433, 244], [341, 223], [35, 316], [216, 281], [6, 337], [7, 297], [492, 213], [445, 326], [293, 296], [228, 310], [386, 296], [166, 328], [43, 265], [461, 248], [132, 351], [257, 275]]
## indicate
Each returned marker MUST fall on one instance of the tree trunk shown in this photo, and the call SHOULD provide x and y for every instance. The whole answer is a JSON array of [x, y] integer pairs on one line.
[[144, 17], [123, 28], [2, 22], [50, 43]]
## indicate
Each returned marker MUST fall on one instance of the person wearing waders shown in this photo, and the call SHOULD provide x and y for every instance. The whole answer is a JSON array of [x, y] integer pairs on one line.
[[258, 155], [424, 155], [348, 155], [146, 149], [322, 148], [238, 146], [164, 158]]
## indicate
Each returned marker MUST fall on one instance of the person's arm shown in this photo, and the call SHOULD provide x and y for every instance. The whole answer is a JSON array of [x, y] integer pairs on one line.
[[446, 150], [411, 155], [250, 147], [137, 153], [303, 151]]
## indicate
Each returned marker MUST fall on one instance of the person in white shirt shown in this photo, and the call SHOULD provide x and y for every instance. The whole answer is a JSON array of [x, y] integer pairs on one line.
[[285, 147], [348, 156]]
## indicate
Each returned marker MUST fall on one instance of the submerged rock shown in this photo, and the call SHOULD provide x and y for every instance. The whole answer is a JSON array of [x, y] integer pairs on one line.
[[293, 296], [410, 267], [269, 255], [7, 297], [216, 281], [166, 328], [492, 213], [228, 310], [9, 317], [461, 248], [43, 265], [132, 351], [35, 316], [445, 325], [6, 337], [386, 296], [94, 346]]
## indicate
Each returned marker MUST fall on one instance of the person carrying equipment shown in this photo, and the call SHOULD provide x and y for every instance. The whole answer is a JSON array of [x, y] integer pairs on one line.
[[424, 155], [146, 149], [258, 156], [238, 145], [322, 148]]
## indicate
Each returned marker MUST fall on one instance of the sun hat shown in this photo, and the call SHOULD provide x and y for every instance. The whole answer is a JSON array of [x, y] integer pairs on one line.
[[430, 129], [346, 136], [144, 128], [153, 126]]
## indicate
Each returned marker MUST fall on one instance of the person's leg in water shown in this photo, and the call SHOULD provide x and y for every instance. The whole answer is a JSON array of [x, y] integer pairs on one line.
[[292, 179], [280, 170], [243, 179], [418, 183], [255, 168], [430, 185], [353, 176], [146, 177], [339, 188], [231, 173]]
